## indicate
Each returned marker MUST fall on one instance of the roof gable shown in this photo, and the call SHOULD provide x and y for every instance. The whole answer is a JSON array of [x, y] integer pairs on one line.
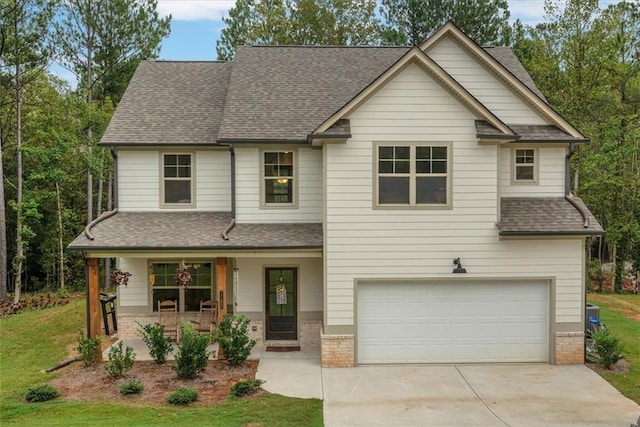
[[418, 57], [512, 76]]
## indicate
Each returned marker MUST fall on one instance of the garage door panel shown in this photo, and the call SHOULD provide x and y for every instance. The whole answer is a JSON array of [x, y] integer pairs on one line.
[[453, 323]]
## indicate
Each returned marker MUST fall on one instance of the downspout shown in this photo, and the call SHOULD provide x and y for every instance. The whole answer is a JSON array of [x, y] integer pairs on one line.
[[567, 186], [114, 154], [112, 212], [232, 222]]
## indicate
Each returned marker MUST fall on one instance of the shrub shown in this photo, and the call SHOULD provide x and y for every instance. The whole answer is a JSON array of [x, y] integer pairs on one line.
[[243, 388], [159, 344], [41, 393], [608, 347], [192, 355], [233, 337], [89, 349], [183, 396], [119, 360], [132, 386]]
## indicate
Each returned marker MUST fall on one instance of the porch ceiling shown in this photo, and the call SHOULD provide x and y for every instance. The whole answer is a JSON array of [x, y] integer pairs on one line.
[[193, 231]]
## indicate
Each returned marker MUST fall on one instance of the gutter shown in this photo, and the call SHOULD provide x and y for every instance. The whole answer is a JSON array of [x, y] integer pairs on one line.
[[567, 186], [232, 223]]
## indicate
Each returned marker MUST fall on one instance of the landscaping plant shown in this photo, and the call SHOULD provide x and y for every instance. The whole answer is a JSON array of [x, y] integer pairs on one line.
[[41, 393], [233, 337], [608, 347], [89, 349], [133, 386], [120, 360], [183, 396], [192, 355], [243, 388], [159, 344]]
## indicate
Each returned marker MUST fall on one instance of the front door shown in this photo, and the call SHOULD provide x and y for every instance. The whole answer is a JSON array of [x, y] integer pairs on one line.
[[281, 289]]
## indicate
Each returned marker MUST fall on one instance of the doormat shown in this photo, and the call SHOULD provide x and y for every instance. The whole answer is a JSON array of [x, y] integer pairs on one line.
[[283, 348]]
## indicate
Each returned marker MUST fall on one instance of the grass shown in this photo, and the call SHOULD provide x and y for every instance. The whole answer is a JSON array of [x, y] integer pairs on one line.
[[621, 314], [33, 341]]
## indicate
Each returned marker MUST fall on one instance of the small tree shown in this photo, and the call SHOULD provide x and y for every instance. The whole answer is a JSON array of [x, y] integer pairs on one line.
[[120, 360], [159, 344], [608, 347], [192, 355], [233, 337]]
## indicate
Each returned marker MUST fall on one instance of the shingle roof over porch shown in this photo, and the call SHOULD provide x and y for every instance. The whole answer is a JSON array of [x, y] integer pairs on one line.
[[531, 216], [193, 231]]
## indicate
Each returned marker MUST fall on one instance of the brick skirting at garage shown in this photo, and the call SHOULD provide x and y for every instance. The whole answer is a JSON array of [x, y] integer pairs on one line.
[[338, 351], [569, 348]]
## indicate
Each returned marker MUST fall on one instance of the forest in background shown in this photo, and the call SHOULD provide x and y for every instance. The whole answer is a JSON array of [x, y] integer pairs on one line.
[[56, 179]]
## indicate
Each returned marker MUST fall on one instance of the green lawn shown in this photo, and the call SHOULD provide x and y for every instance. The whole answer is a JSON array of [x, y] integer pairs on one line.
[[621, 314], [32, 341]]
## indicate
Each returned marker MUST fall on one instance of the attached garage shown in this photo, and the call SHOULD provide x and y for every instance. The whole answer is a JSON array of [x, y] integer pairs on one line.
[[453, 322]]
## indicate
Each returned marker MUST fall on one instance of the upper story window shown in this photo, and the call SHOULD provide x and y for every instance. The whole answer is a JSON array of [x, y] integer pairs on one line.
[[279, 178], [177, 180], [524, 165], [413, 175]]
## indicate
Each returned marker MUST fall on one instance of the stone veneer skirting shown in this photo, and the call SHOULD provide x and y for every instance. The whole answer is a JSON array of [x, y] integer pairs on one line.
[[569, 348], [338, 351], [308, 334]]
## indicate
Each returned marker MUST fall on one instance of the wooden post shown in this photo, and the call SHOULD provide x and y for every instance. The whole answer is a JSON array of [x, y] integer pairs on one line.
[[94, 329], [221, 281]]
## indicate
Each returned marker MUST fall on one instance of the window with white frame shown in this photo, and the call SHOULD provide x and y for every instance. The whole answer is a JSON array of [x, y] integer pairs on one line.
[[279, 178], [177, 179], [413, 175], [524, 165], [164, 286]]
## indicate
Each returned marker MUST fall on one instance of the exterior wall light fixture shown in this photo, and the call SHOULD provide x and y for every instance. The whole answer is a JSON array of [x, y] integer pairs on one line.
[[459, 268]]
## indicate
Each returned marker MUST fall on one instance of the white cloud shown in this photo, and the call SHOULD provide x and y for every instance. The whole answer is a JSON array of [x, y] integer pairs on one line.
[[195, 10], [528, 11]]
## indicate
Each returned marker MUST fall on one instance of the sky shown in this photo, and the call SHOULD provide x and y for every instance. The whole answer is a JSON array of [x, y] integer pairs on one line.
[[196, 26]]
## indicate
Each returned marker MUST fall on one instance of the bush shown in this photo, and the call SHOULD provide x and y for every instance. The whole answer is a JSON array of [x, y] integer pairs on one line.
[[243, 388], [89, 349], [192, 355], [158, 343], [119, 361], [233, 337], [183, 396], [41, 393], [132, 386], [608, 347]]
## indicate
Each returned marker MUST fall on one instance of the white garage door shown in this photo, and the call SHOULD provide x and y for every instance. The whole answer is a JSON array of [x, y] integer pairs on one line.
[[453, 322]]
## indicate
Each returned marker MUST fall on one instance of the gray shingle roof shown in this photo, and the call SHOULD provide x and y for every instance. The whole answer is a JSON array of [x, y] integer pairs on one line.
[[527, 133], [171, 103], [522, 216], [285, 92], [194, 230]]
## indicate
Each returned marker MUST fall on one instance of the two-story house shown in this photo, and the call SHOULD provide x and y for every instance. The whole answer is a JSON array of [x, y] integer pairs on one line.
[[389, 204]]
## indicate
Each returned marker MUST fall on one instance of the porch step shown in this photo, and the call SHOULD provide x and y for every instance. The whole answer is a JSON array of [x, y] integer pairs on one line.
[[282, 345]]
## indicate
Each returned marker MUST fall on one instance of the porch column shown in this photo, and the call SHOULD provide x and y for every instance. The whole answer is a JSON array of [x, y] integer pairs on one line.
[[94, 328], [221, 280]]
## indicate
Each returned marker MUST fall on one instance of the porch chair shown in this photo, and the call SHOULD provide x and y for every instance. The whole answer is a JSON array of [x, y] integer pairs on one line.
[[168, 318], [208, 315]]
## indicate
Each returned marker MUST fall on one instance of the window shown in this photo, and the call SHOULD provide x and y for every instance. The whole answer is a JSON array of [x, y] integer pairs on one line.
[[413, 175], [524, 165], [164, 287], [279, 177], [177, 177]]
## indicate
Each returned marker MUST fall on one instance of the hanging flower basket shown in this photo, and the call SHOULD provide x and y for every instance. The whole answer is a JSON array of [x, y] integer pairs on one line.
[[183, 277], [119, 278]]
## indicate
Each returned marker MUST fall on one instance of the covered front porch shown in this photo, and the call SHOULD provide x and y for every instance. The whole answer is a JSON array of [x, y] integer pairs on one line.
[[269, 273]]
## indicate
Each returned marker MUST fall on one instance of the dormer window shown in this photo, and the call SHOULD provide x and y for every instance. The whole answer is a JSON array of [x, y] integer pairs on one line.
[[524, 165], [177, 180], [279, 178]]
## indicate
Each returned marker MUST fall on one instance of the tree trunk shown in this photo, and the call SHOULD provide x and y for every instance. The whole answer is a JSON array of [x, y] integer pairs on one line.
[[614, 254], [89, 137], [60, 238], [99, 201], [19, 258], [3, 236]]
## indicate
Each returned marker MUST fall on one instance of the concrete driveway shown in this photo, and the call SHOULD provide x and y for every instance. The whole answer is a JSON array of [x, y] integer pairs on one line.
[[473, 395]]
